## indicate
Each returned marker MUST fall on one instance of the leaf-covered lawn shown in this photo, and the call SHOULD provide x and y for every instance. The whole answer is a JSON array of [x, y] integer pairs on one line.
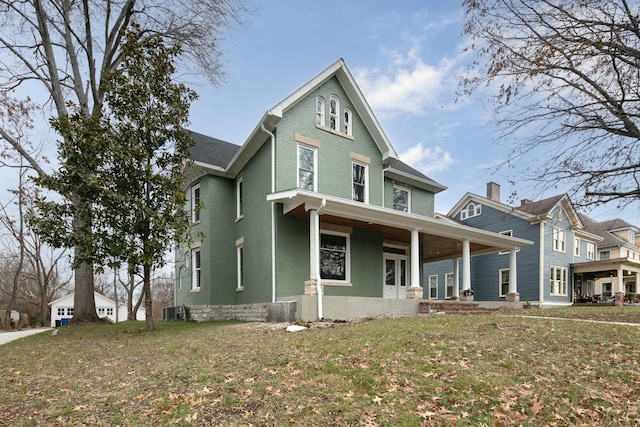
[[411, 371]]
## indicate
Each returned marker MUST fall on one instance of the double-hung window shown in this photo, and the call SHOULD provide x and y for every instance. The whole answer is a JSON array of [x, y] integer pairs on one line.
[[307, 167], [240, 261], [348, 127], [558, 284], [559, 240], [360, 180], [195, 203], [591, 251], [576, 246], [334, 256], [401, 198], [239, 201], [320, 111], [504, 282], [448, 285], [195, 269], [433, 287], [334, 113]]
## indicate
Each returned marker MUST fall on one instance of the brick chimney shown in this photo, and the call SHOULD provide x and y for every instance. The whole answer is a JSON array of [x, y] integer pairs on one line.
[[525, 202], [493, 191]]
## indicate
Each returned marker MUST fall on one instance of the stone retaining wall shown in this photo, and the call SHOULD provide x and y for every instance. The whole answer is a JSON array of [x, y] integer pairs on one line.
[[246, 312]]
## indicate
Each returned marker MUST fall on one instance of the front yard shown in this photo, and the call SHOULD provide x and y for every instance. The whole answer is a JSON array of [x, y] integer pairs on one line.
[[425, 370]]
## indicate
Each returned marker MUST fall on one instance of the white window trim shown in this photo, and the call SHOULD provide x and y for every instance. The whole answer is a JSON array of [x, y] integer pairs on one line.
[[366, 181], [195, 212], [475, 207], [591, 251], [559, 245], [446, 287], [608, 252], [561, 286], [239, 199], [500, 282], [433, 276], [405, 189], [347, 267], [505, 233], [337, 113], [195, 269], [320, 111], [576, 246], [315, 165], [240, 255], [348, 122]]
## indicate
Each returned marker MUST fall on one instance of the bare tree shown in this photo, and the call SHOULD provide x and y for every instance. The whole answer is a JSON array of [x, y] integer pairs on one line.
[[66, 46], [35, 268], [566, 76]]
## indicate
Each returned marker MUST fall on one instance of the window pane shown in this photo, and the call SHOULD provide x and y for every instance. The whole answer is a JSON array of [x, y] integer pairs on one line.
[[403, 272], [390, 272], [359, 180], [400, 199], [333, 257], [305, 180]]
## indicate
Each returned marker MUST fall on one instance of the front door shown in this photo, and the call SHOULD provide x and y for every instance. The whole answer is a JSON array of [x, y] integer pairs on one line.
[[396, 273]]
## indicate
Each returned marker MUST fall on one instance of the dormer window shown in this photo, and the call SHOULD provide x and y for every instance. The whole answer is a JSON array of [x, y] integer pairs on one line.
[[632, 237], [334, 115], [470, 211], [320, 111], [347, 122]]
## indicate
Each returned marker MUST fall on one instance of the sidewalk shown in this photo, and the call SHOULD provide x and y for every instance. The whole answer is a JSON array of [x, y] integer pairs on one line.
[[6, 337]]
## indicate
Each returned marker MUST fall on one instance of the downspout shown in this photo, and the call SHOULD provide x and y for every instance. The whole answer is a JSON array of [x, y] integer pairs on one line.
[[273, 212], [317, 258]]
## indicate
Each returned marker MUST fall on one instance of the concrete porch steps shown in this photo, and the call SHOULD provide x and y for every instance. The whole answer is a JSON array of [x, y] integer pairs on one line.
[[453, 307]]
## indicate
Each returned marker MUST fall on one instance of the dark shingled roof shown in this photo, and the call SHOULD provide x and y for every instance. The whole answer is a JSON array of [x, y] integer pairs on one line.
[[212, 151], [403, 167], [541, 206], [602, 229]]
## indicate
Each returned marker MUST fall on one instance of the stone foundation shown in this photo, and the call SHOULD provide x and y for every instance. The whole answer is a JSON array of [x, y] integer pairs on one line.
[[244, 312], [512, 297], [414, 292]]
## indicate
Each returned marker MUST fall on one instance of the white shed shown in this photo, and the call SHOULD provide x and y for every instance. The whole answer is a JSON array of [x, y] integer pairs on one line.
[[62, 310]]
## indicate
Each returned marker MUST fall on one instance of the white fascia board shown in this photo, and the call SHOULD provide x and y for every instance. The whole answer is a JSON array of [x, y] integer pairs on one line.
[[492, 204], [397, 219], [253, 143], [587, 236], [425, 184]]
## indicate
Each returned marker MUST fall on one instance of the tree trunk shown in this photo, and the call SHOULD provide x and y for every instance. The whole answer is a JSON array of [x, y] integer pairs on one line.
[[146, 290], [84, 302]]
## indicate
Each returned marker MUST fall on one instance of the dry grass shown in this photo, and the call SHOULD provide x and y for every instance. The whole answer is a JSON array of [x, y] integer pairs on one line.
[[423, 370]]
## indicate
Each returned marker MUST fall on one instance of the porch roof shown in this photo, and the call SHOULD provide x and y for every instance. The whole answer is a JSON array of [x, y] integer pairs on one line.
[[607, 267], [440, 239]]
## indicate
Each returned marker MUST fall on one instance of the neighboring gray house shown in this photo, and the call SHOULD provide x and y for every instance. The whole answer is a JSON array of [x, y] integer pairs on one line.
[[544, 269], [314, 216]]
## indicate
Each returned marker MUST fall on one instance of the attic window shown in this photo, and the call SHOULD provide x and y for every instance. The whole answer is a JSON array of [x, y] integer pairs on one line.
[[470, 211], [347, 122], [320, 111], [334, 117]]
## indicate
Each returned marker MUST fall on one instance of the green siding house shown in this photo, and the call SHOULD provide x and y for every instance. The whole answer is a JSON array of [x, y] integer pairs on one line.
[[314, 216]]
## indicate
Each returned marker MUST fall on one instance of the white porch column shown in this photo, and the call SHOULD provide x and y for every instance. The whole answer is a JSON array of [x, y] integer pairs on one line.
[[620, 287], [456, 279], [513, 295], [313, 286], [637, 288], [466, 269], [314, 243], [415, 291]]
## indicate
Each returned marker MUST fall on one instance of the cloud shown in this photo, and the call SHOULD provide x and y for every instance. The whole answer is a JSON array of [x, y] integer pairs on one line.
[[408, 85], [426, 159]]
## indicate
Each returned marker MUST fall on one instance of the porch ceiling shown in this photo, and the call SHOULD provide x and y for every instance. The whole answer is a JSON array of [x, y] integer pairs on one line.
[[439, 239]]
